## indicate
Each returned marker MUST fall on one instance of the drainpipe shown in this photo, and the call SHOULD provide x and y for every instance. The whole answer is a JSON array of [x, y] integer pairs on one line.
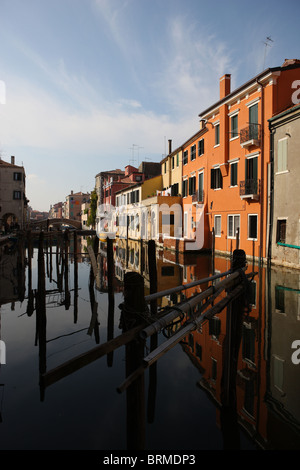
[[262, 171], [271, 205]]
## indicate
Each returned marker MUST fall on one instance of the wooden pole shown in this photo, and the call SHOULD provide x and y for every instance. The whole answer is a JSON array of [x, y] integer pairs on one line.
[[66, 267], [75, 279], [213, 252], [111, 297], [41, 310], [234, 318], [132, 315], [153, 339]]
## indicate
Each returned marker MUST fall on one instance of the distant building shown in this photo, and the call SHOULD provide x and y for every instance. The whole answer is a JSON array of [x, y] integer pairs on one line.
[[284, 235], [72, 207], [13, 201], [56, 211], [85, 207]]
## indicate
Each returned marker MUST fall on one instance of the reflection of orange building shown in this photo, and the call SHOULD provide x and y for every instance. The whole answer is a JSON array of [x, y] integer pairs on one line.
[[206, 346]]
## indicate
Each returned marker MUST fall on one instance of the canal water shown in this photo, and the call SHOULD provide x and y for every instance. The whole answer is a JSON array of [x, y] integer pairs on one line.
[[83, 410]]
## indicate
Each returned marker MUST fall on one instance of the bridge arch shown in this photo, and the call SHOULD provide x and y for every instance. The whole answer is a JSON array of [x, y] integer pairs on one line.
[[45, 223]]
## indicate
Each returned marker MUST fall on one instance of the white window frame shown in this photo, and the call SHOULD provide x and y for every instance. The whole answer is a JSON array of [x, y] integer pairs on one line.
[[218, 234], [248, 237], [232, 237]]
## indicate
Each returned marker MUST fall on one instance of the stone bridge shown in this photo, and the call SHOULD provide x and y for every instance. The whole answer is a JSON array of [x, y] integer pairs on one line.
[[46, 223]]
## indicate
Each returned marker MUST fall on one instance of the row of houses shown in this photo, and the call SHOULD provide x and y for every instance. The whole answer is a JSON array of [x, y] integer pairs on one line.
[[234, 182], [14, 209]]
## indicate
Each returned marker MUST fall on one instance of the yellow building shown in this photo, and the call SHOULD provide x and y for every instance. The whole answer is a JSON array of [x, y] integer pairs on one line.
[[171, 171]]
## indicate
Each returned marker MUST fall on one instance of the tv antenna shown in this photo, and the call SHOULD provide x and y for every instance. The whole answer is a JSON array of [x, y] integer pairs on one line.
[[267, 44]]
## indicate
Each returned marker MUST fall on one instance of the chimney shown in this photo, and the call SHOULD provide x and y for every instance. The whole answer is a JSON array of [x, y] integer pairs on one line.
[[224, 85], [12, 160], [170, 146], [71, 191]]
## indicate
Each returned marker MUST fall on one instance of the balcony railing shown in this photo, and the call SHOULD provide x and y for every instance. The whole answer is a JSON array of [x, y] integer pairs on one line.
[[250, 135], [198, 196], [249, 188]]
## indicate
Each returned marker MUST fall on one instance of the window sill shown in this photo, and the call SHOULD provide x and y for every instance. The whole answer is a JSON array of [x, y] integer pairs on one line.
[[235, 186], [217, 145], [234, 138], [282, 172]]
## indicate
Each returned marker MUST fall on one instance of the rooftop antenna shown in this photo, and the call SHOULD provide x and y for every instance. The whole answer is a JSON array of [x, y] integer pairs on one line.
[[267, 44]]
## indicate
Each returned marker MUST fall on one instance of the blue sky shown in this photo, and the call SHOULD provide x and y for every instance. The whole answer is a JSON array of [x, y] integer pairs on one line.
[[93, 85]]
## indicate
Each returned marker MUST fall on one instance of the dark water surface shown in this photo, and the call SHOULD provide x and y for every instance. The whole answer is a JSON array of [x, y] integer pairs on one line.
[[84, 411]]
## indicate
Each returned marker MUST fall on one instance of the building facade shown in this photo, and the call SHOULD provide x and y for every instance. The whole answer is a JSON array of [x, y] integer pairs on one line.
[[72, 207], [13, 201], [284, 234], [237, 159]]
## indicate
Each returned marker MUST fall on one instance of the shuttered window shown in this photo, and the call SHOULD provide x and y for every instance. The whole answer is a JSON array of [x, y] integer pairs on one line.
[[282, 155]]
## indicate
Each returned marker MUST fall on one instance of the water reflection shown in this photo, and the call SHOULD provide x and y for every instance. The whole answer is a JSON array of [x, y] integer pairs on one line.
[[44, 275]]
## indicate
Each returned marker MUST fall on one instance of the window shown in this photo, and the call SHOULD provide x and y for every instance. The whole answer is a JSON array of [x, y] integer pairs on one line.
[[216, 181], [281, 231], [252, 226], [193, 152], [233, 174], [17, 176], [248, 343], [201, 187], [185, 157], [177, 159], [217, 225], [17, 195], [200, 147], [174, 189], [233, 225], [192, 185], [173, 163], [279, 299], [217, 134], [234, 126], [253, 121], [214, 326], [184, 188], [213, 369], [165, 165], [282, 155]]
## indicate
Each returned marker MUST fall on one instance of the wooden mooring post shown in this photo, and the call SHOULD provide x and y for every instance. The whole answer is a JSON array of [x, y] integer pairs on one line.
[[232, 342], [111, 297], [133, 310], [154, 337]]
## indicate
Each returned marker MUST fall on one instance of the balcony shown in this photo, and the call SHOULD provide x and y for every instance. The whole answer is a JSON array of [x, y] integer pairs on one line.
[[198, 196], [249, 189], [250, 135]]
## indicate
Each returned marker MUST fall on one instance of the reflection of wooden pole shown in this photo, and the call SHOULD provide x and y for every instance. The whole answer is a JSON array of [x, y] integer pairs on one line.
[[30, 306], [153, 339], [213, 252], [111, 298], [234, 319], [66, 266], [41, 308], [75, 279], [133, 308]]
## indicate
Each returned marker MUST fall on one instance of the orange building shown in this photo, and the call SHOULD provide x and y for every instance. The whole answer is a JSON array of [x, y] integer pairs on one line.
[[233, 157]]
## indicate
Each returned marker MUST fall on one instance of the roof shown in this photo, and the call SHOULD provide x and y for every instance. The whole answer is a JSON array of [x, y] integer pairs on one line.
[[288, 64], [3, 164], [289, 110]]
